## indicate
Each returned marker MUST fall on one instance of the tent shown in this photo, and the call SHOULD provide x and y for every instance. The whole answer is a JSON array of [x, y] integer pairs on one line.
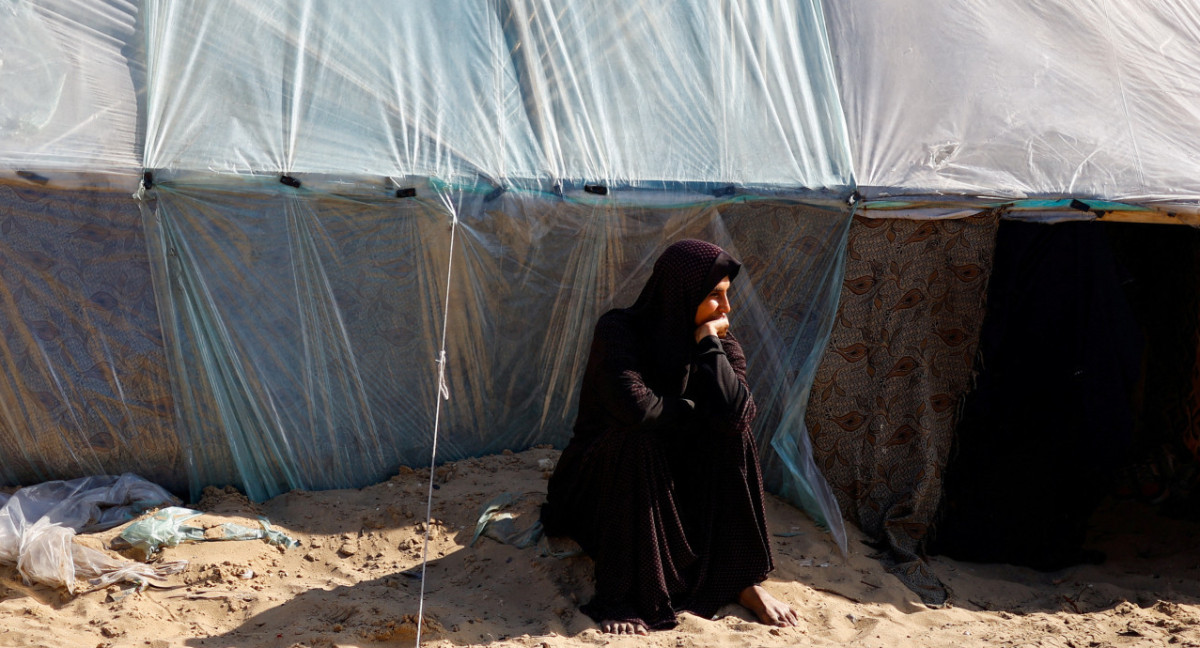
[[298, 244]]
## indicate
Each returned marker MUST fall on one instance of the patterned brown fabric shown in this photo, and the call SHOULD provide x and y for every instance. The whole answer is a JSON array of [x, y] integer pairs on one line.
[[84, 387], [886, 396]]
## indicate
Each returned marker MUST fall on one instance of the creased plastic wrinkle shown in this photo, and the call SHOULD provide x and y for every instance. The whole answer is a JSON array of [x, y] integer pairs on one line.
[[32, 76], [70, 71], [691, 92], [38, 525], [978, 99]]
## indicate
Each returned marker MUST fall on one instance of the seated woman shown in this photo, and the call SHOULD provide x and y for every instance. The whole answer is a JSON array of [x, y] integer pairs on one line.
[[660, 483]]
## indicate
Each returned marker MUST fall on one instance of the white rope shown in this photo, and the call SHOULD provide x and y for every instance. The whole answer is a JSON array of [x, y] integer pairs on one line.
[[443, 388], [443, 394]]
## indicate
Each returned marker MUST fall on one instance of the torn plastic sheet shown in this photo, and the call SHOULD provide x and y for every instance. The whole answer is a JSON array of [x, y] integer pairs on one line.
[[38, 525], [166, 528], [231, 531], [498, 524]]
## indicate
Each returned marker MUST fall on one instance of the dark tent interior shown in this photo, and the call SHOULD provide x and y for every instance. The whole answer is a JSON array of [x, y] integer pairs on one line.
[[1085, 389]]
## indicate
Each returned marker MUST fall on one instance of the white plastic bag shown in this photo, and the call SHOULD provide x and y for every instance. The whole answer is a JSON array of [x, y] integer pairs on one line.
[[38, 526]]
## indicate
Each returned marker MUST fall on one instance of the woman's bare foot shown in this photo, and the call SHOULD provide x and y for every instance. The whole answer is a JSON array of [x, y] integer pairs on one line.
[[624, 627], [767, 608]]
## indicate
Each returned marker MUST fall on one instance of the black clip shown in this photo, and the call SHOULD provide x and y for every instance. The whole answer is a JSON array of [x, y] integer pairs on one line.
[[289, 181], [1080, 205], [598, 189], [147, 180], [494, 194], [727, 190], [406, 192], [35, 178]]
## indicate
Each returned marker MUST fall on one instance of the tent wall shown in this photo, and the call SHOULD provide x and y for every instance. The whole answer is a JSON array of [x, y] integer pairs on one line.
[[994, 431], [553, 151], [300, 329], [303, 329]]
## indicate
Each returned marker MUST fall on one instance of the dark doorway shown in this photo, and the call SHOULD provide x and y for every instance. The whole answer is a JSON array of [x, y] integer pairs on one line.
[[1085, 389]]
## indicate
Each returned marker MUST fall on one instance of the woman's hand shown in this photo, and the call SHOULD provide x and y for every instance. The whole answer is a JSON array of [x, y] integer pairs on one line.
[[718, 326]]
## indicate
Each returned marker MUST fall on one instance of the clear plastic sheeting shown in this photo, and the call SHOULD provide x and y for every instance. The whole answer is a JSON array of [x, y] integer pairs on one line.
[[372, 88], [515, 91], [303, 327], [69, 76], [38, 525], [541, 277], [797, 254], [504, 171], [301, 332], [1013, 99], [712, 91]]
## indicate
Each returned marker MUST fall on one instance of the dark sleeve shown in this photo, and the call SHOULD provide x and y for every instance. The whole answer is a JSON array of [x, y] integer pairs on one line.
[[719, 382], [621, 388]]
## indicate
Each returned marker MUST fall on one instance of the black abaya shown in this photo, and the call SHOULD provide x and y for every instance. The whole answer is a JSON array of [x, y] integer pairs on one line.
[[660, 483]]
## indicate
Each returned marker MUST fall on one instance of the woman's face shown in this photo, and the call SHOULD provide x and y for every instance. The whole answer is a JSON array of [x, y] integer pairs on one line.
[[715, 304]]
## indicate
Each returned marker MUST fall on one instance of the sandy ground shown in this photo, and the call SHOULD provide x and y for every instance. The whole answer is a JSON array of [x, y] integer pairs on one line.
[[350, 583]]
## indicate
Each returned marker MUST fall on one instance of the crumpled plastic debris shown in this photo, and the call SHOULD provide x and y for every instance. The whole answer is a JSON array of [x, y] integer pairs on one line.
[[492, 511], [166, 529], [163, 529], [231, 531], [500, 525], [497, 524], [38, 525]]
